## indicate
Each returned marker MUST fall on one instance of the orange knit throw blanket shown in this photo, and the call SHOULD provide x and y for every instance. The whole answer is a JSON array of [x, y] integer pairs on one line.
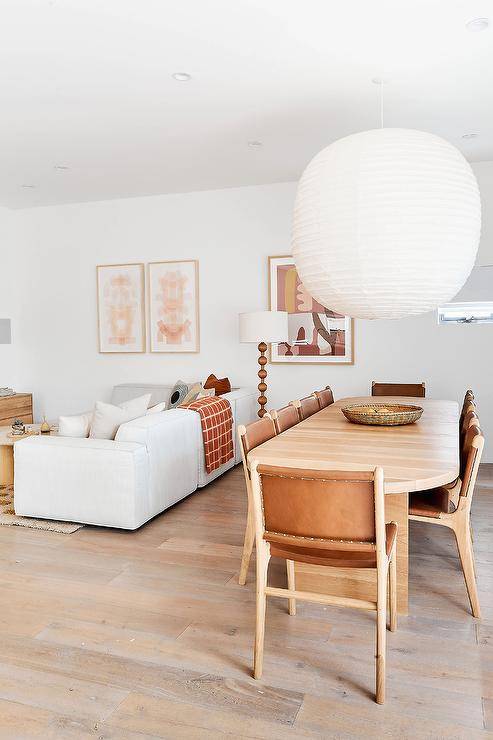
[[216, 419]]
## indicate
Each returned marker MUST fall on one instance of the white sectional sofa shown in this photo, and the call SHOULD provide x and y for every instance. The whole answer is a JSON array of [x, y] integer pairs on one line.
[[154, 461]]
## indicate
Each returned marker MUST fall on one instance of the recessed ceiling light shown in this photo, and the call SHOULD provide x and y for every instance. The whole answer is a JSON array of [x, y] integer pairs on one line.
[[255, 144], [477, 24], [182, 76], [61, 167], [471, 135], [28, 187]]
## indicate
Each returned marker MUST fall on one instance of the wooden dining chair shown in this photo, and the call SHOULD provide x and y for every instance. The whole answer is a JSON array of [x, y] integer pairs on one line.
[[343, 527], [307, 406], [433, 507], [467, 406], [417, 390], [285, 418], [250, 437], [325, 397], [467, 421]]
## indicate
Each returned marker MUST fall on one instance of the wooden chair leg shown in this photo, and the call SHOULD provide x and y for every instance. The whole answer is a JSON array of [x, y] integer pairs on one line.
[[247, 546], [393, 592], [381, 635], [263, 558], [291, 586], [466, 555]]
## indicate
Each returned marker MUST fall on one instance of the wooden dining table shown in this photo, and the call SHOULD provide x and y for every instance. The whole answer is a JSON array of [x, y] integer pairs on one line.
[[414, 457]]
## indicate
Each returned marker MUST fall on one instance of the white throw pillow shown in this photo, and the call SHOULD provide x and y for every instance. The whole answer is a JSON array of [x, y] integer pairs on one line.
[[75, 426], [157, 408], [206, 393], [107, 418]]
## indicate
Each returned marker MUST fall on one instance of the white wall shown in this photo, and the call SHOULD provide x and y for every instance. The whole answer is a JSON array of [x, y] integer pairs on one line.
[[9, 301], [231, 232]]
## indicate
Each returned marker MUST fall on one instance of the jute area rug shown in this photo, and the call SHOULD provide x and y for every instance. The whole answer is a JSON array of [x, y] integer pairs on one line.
[[9, 518]]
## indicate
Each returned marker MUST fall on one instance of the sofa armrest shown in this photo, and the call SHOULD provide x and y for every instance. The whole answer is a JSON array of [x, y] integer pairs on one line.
[[95, 481], [170, 438]]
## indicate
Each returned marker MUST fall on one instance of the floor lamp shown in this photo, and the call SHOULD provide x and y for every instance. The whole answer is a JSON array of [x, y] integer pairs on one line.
[[262, 328]]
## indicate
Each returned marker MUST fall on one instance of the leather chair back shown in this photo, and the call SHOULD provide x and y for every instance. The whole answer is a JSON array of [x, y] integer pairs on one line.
[[417, 390], [469, 418], [308, 407], [257, 433], [310, 507], [467, 407], [285, 418], [473, 449], [325, 397]]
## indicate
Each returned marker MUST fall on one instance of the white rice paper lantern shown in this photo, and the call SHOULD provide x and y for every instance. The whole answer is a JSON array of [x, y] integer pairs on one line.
[[386, 224]]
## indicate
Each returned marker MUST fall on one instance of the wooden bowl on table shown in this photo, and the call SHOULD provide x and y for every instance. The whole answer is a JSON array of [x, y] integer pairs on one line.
[[382, 414]]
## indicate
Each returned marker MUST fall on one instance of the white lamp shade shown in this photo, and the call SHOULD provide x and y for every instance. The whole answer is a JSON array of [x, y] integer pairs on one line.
[[386, 224], [264, 326]]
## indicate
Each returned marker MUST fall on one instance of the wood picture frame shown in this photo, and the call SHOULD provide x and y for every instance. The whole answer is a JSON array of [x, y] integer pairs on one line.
[[174, 306], [120, 290], [331, 335]]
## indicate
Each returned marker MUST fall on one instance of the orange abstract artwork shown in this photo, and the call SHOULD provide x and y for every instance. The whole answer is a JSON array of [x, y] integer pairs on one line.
[[316, 334], [173, 306], [120, 295]]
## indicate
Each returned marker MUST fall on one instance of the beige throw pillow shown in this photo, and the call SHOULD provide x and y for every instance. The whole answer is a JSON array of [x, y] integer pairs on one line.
[[157, 408], [75, 426], [193, 392], [107, 418]]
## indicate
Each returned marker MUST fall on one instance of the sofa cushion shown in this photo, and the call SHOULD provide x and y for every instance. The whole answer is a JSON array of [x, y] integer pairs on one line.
[[178, 393], [78, 425], [107, 418], [157, 408], [194, 390]]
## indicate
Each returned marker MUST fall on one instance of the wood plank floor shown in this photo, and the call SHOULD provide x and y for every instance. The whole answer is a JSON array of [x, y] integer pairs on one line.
[[110, 634]]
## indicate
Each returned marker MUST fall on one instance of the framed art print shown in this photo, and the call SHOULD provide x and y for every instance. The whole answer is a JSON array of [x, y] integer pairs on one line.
[[121, 308], [316, 334], [174, 306]]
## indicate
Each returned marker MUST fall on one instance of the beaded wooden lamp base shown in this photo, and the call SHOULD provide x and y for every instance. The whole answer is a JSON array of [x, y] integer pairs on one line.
[[262, 373]]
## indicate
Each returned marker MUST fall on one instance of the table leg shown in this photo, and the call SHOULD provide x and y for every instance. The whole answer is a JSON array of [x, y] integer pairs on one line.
[[6, 465], [361, 583]]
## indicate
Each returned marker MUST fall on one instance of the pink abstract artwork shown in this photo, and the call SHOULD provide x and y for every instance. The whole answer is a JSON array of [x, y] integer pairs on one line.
[[121, 308], [174, 306]]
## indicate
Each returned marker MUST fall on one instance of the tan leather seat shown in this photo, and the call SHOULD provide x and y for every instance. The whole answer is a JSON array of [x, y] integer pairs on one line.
[[362, 558], [430, 503], [285, 418], [325, 398], [417, 390]]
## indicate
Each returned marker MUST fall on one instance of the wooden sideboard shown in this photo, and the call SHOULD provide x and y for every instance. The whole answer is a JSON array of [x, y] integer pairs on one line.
[[19, 406]]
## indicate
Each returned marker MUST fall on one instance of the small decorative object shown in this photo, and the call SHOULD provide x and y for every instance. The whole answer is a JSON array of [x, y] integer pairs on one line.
[[382, 414], [18, 428], [386, 224], [174, 306], [317, 335], [121, 309], [4, 392], [261, 327], [45, 427]]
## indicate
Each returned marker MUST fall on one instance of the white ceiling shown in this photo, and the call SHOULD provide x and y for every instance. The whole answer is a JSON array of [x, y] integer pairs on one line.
[[87, 84]]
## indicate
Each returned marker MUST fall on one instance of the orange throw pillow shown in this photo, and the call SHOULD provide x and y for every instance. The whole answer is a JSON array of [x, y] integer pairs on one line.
[[220, 385]]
